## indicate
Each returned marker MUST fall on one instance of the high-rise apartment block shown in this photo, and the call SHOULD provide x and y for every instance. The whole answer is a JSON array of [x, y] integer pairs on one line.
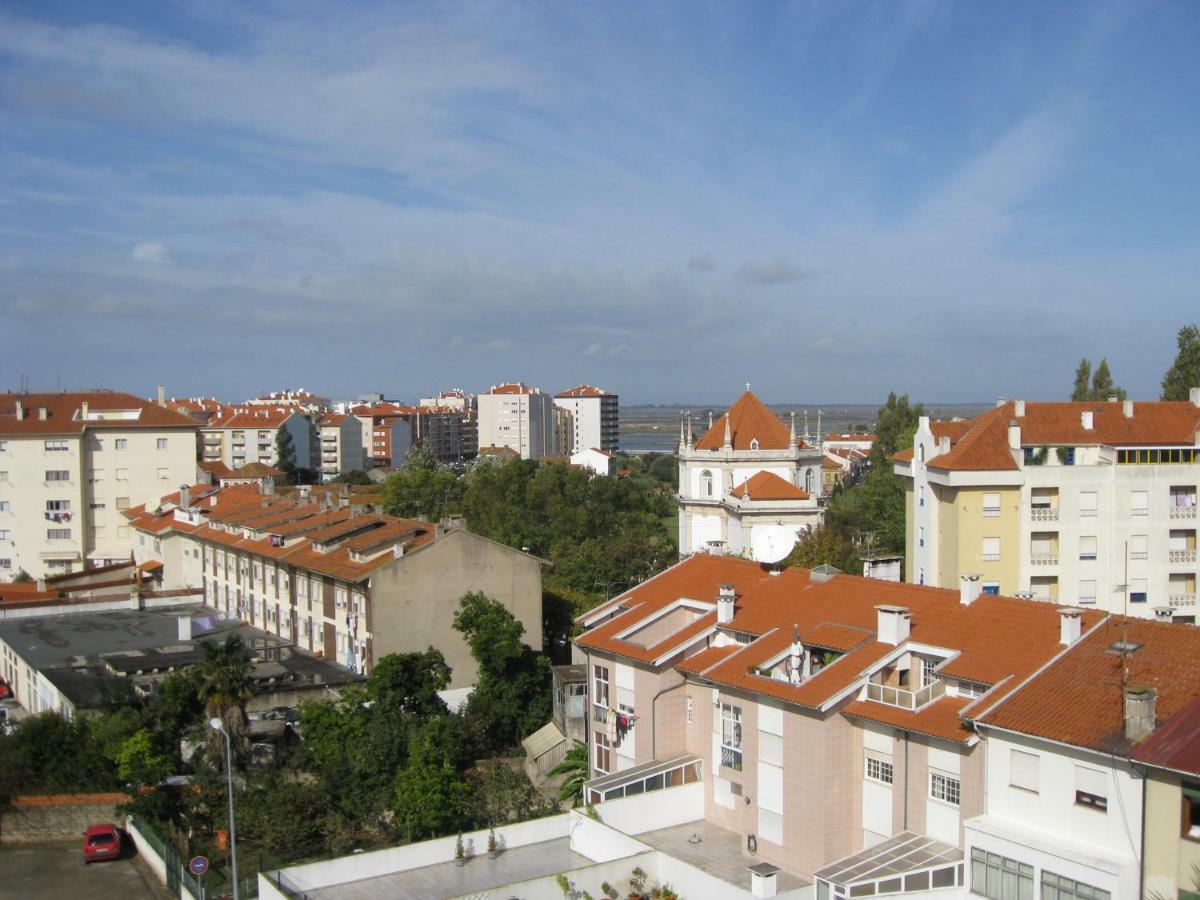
[[519, 417], [594, 421]]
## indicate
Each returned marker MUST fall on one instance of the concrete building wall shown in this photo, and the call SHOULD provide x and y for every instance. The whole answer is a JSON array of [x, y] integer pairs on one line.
[[1172, 862], [414, 601]]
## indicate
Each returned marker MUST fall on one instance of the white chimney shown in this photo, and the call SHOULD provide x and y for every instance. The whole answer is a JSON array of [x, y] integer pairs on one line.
[[1127, 408], [162, 395], [762, 879], [1014, 435], [41, 584], [1086, 419], [1070, 623], [185, 628], [83, 410], [969, 589], [943, 444], [725, 604], [893, 624], [1141, 702], [1194, 395], [135, 598], [43, 413], [794, 661], [1163, 613], [20, 410], [1018, 408]]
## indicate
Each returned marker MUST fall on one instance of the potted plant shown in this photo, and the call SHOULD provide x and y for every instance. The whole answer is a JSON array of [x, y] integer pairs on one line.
[[460, 853], [492, 847], [637, 883]]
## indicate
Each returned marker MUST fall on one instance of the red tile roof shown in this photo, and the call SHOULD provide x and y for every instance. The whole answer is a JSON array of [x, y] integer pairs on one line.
[[63, 413], [749, 419], [1079, 700], [583, 390], [768, 486], [940, 719], [518, 388], [263, 417], [1175, 745]]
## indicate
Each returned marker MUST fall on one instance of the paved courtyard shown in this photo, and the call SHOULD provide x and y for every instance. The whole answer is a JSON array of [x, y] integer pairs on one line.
[[716, 851], [53, 871]]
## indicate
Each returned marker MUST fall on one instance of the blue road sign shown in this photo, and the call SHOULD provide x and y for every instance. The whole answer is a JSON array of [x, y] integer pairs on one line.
[[198, 865]]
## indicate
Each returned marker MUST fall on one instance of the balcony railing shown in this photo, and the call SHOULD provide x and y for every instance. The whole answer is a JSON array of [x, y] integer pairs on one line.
[[1181, 601], [1183, 512], [1043, 559], [731, 758], [903, 698], [1044, 514], [1182, 556]]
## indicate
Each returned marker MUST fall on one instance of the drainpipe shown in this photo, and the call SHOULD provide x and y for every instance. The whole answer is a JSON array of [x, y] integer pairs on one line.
[[905, 781], [1142, 862], [654, 718]]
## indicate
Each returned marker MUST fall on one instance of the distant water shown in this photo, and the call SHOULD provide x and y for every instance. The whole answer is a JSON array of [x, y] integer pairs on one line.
[[655, 429]]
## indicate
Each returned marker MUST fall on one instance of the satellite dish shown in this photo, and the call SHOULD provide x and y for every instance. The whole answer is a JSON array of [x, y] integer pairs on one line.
[[772, 543]]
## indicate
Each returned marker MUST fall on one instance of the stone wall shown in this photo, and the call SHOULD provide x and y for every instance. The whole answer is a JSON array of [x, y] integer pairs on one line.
[[59, 817]]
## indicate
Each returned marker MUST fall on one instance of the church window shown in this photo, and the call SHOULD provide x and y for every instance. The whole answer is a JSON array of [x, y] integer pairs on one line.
[[808, 480], [706, 483]]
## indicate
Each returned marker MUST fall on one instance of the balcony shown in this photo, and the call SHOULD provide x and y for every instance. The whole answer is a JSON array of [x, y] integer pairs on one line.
[[903, 698], [1044, 514], [212, 439], [1182, 556], [1183, 512], [1181, 601], [1043, 559]]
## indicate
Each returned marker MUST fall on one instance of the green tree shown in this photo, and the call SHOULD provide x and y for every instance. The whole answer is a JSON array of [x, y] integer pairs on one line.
[[137, 762], [1103, 386], [824, 545], [285, 454], [354, 476], [574, 765], [512, 694], [501, 794], [282, 816], [1184, 373], [895, 425], [420, 491], [410, 682], [664, 468], [223, 685], [1083, 381]]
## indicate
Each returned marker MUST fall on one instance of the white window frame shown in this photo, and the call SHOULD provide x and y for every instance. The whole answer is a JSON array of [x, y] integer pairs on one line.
[[879, 770], [945, 787], [731, 735]]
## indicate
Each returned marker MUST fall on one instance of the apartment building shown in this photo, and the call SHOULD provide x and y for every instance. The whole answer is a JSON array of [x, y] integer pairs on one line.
[[239, 436], [70, 464], [297, 399], [748, 485], [340, 437], [1088, 503], [348, 585], [466, 406], [595, 418], [386, 433], [519, 417]]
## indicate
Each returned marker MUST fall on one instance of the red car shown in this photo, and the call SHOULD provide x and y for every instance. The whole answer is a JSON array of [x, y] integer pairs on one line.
[[101, 842]]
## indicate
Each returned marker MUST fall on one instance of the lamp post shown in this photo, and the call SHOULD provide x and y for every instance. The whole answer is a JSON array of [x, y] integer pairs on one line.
[[217, 724]]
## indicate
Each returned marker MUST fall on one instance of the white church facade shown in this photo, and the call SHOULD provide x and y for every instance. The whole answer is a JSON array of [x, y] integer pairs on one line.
[[748, 485]]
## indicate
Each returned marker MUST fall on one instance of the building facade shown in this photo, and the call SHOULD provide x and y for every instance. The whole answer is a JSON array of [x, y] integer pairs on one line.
[[240, 436], [1089, 503], [519, 417], [748, 479], [340, 437], [70, 464], [595, 419]]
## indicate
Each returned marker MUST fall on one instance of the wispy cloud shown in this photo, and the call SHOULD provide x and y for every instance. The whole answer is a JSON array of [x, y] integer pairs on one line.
[[771, 272], [151, 252]]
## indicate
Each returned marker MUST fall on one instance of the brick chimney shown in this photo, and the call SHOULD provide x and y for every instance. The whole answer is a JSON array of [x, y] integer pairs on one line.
[[1141, 703]]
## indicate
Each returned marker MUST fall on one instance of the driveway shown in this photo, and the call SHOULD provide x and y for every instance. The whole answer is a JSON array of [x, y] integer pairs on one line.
[[51, 871]]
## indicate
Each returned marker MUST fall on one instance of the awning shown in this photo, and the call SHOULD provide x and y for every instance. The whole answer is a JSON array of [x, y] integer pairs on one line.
[[906, 861]]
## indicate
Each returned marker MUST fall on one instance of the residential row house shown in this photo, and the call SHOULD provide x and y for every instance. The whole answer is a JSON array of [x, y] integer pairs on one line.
[[1092, 503], [71, 463], [879, 738], [347, 585], [748, 485]]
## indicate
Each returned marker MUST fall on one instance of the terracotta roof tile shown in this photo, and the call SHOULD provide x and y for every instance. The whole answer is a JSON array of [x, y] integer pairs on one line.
[[1079, 700], [749, 419], [768, 486], [1175, 745], [940, 719], [584, 390], [63, 413]]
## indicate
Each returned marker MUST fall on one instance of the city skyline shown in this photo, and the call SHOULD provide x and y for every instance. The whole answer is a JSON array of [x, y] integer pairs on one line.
[[952, 202]]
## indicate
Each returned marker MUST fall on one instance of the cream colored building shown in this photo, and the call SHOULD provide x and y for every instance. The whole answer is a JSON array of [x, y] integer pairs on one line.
[[595, 418], [70, 463], [340, 437], [747, 482], [1066, 502], [240, 436], [519, 417]]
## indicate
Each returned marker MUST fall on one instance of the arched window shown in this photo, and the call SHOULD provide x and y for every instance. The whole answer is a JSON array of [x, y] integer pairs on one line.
[[706, 483], [921, 452], [754, 444], [808, 480]]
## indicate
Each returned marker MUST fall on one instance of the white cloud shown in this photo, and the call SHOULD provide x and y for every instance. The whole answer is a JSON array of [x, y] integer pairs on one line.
[[151, 252], [771, 271], [823, 343]]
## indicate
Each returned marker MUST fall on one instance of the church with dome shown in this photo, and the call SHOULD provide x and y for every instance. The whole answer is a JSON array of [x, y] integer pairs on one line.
[[748, 486]]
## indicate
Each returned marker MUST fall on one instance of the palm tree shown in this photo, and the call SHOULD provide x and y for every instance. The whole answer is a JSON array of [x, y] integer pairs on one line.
[[575, 766], [224, 682]]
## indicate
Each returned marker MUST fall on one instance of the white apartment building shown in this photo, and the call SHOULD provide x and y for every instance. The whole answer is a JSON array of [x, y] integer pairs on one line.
[[1093, 504], [240, 436], [340, 437], [749, 485], [70, 463], [519, 417], [595, 418]]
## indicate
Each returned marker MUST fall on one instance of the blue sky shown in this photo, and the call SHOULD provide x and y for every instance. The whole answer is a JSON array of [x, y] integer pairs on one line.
[[829, 200]]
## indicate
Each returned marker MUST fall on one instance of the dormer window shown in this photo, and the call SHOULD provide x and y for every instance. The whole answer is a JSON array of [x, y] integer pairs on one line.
[[754, 443]]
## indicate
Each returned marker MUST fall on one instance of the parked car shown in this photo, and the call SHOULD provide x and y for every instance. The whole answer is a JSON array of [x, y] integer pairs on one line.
[[101, 842]]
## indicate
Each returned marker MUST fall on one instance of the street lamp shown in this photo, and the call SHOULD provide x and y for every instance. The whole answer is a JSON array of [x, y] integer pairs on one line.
[[217, 724]]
